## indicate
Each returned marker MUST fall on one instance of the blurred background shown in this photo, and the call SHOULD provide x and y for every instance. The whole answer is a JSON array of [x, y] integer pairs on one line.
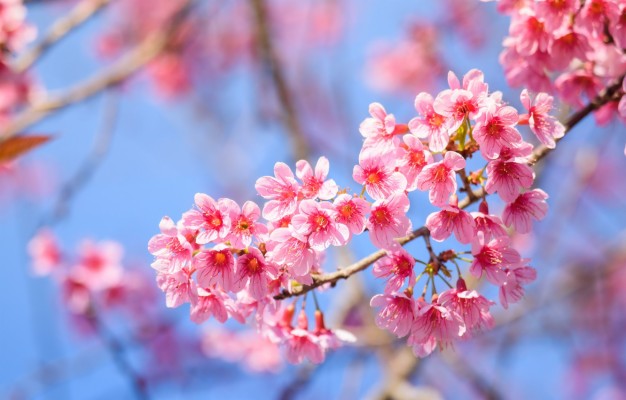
[[155, 101]]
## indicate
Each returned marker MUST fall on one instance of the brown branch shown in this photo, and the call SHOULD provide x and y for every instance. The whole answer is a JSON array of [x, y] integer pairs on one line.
[[116, 350], [607, 95], [75, 18], [112, 76], [268, 52], [400, 368], [466, 185], [345, 273]]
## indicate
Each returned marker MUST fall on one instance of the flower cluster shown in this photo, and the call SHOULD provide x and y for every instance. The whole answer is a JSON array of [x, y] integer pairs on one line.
[[449, 129], [240, 263], [94, 279], [14, 32], [218, 38], [15, 88], [410, 64], [572, 47], [228, 263]]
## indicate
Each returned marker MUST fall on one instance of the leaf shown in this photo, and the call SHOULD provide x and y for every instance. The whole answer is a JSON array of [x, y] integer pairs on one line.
[[18, 145]]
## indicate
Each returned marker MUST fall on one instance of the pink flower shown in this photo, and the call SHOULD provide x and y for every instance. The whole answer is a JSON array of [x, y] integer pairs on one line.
[[172, 248], [440, 178], [490, 225], [527, 206], [303, 344], [450, 219], [388, 221], [493, 258], [507, 177], [594, 15], [495, 130], [330, 339], [470, 305], [351, 211], [315, 223], [99, 265], [617, 28], [44, 252], [461, 102], [431, 126], [209, 302], [216, 267], [379, 130], [553, 12], [178, 288], [525, 71], [511, 290], [14, 32], [396, 266], [212, 218], [571, 85], [255, 352], [568, 44], [434, 321], [282, 191], [77, 296], [314, 183], [529, 32], [412, 158], [397, 312], [376, 171], [255, 273], [244, 224], [293, 252], [409, 63], [543, 125]]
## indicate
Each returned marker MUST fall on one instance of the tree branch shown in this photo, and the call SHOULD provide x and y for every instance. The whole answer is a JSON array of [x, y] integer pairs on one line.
[[272, 61], [345, 273], [112, 76], [607, 95], [75, 18], [82, 176]]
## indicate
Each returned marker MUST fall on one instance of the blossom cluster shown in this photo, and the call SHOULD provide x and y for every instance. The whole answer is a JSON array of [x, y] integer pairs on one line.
[[218, 38], [451, 127], [240, 263], [232, 261], [14, 31], [571, 47], [15, 88], [95, 278]]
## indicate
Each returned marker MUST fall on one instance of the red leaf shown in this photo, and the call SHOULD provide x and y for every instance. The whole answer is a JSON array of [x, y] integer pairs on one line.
[[18, 145]]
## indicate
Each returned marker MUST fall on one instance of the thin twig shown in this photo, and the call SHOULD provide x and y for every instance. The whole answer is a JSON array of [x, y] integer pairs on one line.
[[75, 18], [116, 349], [400, 369], [607, 95], [87, 169], [466, 185], [128, 64], [272, 61]]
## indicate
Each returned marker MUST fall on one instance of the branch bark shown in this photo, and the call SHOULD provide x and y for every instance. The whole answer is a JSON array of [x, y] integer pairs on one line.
[[63, 26], [115, 74], [289, 113]]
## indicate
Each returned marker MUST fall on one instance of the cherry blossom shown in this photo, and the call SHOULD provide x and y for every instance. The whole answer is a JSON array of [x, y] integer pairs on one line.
[[388, 221], [440, 178], [527, 206], [397, 312]]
